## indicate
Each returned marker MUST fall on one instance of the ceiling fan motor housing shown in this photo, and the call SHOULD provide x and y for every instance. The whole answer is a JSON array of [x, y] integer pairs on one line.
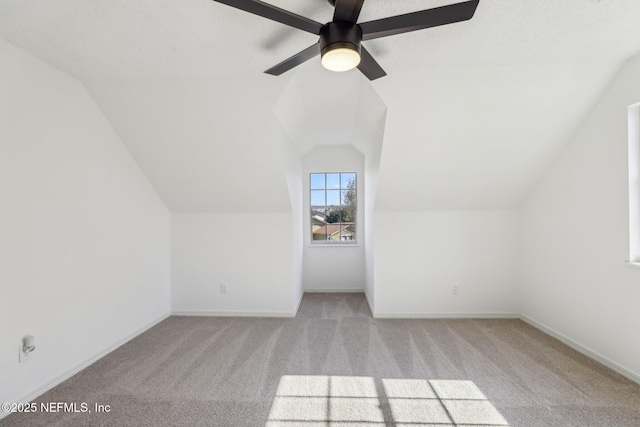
[[340, 34]]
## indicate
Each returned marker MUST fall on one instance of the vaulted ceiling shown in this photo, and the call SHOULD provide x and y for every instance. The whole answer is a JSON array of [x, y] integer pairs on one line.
[[476, 111]]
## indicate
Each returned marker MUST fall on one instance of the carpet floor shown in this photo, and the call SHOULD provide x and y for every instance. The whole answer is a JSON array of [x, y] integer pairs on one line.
[[334, 365]]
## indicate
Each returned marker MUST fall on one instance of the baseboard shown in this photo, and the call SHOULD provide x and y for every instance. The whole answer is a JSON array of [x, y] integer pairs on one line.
[[232, 313], [583, 349], [80, 366], [334, 290], [497, 315]]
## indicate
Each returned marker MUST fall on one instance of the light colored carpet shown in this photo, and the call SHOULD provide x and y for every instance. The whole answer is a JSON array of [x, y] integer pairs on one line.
[[334, 365]]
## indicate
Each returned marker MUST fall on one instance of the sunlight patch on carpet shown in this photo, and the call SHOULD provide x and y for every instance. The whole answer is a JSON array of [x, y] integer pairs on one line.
[[344, 401]]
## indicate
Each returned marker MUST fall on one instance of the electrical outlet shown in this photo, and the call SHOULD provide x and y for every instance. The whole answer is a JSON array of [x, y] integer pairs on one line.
[[22, 356], [224, 288], [455, 289]]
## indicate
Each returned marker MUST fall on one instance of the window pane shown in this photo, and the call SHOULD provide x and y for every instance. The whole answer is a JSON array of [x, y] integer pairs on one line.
[[333, 216], [320, 233], [333, 197], [333, 181], [318, 217], [348, 180], [318, 198], [317, 181], [349, 232], [348, 197], [348, 214], [320, 212], [333, 231]]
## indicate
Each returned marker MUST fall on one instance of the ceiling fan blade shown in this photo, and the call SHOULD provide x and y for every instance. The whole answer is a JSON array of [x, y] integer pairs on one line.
[[369, 66], [275, 14], [347, 10], [419, 20], [295, 60]]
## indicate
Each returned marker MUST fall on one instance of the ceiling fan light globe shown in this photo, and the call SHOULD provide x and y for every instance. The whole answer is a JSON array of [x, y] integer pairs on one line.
[[340, 59]]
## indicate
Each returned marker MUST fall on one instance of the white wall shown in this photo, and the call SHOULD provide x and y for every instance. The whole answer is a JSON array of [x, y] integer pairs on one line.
[[371, 166], [420, 255], [251, 252], [333, 267], [84, 239], [333, 122], [576, 236], [293, 170]]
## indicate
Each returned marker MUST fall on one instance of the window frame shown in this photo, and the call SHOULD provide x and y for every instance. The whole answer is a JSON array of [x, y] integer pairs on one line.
[[326, 206]]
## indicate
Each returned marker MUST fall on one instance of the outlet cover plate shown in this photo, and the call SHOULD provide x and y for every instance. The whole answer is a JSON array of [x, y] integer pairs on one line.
[[22, 356]]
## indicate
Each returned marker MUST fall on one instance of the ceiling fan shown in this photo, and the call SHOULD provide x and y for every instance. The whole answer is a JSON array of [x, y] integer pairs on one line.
[[340, 40]]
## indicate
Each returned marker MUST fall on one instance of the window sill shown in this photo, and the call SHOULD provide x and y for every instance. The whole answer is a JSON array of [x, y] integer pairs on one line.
[[633, 264], [333, 245]]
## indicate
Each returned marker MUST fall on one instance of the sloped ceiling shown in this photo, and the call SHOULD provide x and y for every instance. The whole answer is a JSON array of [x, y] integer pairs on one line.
[[207, 145], [346, 110], [479, 137], [476, 110]]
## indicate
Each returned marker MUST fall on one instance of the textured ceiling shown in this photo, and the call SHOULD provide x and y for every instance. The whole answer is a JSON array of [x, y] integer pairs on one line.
[[171, 38], [476, 110]]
